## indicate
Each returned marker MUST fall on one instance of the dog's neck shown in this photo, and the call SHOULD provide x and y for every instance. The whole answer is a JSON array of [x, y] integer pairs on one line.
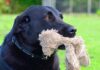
[[13, 56], [28, 50]]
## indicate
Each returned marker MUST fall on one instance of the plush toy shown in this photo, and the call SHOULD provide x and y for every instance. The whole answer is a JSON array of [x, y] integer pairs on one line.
[[76, 54]]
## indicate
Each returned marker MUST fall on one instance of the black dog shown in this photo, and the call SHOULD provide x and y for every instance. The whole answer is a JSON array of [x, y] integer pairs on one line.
[[21, 49]]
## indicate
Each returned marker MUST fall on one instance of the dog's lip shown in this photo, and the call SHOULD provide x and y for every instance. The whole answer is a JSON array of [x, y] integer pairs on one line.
[[67, 35], [72, 34]]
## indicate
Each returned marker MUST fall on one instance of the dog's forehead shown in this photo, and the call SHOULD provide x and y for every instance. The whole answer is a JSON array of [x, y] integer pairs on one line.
[[41, 10], [53, 10]]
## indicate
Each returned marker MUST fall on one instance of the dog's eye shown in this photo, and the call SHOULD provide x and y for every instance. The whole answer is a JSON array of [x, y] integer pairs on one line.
[[50, 17], [26, 19], [61, 16]]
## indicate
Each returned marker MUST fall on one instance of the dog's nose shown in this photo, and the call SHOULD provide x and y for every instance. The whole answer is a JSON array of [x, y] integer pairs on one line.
[[71, 30], [68, 31]]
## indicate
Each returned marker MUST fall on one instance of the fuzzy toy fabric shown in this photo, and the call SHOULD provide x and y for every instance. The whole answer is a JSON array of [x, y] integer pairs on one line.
[[76, 54]]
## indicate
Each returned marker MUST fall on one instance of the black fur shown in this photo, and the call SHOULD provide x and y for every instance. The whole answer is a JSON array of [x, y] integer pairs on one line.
[[27, 26]]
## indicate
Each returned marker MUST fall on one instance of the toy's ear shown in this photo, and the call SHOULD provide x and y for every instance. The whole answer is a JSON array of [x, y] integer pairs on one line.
[[62, 47]]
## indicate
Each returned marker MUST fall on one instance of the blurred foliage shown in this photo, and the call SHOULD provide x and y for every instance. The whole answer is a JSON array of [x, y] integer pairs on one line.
[[17, 6], [4, 8], [62, 5], [98, 12], [78, 5], [20, 5], [95, 5]]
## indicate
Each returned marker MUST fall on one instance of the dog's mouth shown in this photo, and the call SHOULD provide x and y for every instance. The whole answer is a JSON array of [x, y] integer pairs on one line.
[[70, 35], [37, 52], [66, 34]]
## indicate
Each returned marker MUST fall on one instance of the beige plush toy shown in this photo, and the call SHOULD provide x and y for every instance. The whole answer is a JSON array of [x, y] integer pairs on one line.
[[76, 54]]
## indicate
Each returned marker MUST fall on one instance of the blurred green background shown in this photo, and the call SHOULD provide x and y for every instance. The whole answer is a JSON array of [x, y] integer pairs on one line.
[[83, 14]]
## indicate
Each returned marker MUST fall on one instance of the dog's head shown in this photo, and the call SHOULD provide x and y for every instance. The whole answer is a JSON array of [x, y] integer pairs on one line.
[[29, 24]]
